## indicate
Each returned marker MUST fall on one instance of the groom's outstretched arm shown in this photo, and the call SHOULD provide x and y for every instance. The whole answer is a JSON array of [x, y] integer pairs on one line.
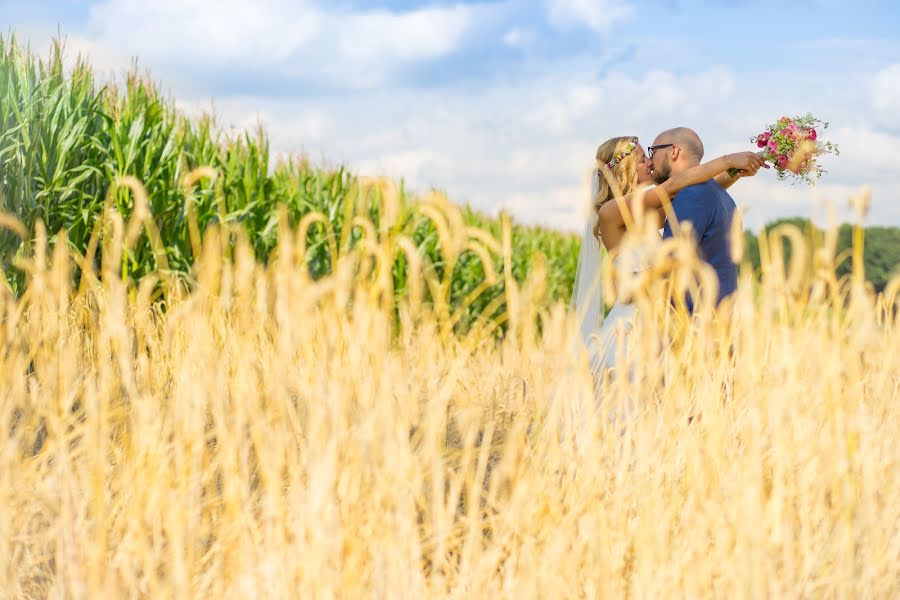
[[689, 207]]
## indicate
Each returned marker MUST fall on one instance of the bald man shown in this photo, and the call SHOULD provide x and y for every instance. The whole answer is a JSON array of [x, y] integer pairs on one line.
[[706, 206]]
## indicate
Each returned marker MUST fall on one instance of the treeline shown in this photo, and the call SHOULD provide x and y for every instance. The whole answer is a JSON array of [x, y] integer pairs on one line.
[[881, 249]]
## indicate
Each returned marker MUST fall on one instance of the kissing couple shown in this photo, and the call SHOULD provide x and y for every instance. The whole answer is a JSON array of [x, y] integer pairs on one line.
[[698, 196]]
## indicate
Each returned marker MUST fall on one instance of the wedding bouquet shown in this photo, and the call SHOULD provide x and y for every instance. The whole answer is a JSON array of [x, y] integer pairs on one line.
[[793, 146]]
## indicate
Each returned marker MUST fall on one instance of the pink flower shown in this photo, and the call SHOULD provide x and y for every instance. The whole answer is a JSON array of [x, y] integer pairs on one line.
[[791, 146]]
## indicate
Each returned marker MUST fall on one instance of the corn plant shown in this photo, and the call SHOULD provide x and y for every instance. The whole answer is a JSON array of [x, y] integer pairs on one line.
[[67, 144]]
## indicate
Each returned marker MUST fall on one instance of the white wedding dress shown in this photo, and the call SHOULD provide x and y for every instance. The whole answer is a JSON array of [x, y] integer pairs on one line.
[[605, 342], [604, 337]]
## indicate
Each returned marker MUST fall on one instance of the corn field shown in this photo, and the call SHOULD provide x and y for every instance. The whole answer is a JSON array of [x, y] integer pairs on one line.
[[65, 142]]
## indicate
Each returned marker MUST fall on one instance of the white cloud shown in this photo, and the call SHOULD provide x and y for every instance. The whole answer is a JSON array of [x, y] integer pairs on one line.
[[886, 97], [415, 163], [415, 36], [765, 198], [104, 61], [282, 40], [518, 37], [598, 15]]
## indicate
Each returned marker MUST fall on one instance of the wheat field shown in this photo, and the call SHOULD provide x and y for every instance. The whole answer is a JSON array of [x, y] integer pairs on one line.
[[266, 435]]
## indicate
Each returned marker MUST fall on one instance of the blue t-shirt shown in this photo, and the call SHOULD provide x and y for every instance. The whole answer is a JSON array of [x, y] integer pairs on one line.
[[710, 210]]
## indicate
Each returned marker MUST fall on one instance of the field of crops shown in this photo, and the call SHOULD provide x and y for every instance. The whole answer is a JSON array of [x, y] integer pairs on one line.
[[64, 139], [211, 393], [272, 435]]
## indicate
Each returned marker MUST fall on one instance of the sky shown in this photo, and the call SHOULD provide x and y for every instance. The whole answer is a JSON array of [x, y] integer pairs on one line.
[[503, 103]]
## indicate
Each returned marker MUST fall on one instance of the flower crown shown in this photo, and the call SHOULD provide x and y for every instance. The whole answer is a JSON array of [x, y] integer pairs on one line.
[[621, 155]]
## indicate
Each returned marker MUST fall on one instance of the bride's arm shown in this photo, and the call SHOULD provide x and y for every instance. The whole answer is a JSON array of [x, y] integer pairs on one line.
[[726, 179], [745, 163], [611, 219]]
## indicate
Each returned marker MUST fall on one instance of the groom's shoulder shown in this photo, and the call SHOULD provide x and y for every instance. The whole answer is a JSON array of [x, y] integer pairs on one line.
[[721, 193], [706, 187], [693, 193], [692, 204], [702, 191]]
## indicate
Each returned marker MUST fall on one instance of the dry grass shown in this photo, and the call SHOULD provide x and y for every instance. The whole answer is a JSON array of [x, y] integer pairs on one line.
[[268, 436]]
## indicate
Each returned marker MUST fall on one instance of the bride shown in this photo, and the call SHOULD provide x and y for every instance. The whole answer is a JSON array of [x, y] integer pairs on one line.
[[622, 163]]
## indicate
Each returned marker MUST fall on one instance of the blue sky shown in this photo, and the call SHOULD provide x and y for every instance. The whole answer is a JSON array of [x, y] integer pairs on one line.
[[503, 103]]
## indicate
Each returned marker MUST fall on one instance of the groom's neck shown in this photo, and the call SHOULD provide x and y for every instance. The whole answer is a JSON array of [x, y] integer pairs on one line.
[[683, 165]]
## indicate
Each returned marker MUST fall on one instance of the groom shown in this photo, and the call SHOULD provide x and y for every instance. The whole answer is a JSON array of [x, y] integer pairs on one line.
[[706, 206]]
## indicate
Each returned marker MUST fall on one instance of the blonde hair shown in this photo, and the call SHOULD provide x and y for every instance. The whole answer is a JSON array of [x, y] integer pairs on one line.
[[621, 178]]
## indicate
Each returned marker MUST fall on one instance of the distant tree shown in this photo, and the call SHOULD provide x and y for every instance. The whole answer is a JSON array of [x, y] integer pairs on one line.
[[881, 248], [751, 249], [810, 232], [881, 253]]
